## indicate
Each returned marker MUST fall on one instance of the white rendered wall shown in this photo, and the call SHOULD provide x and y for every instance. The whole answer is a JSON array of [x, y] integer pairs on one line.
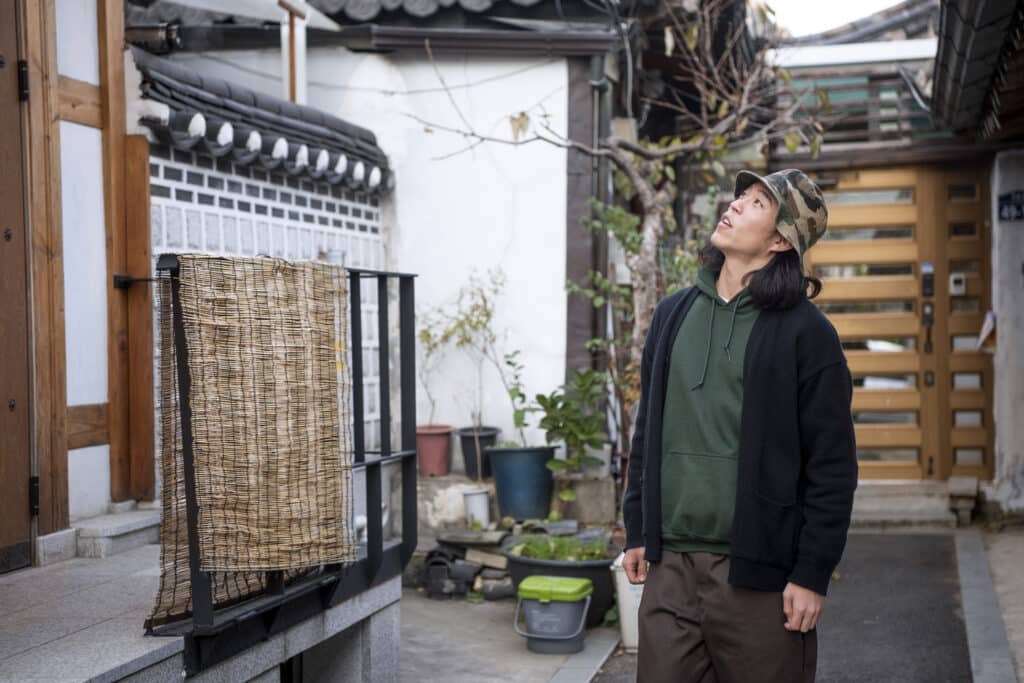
[[85, 263], [494, 206], [78, 40], [1008, 303], [85, 306], [88, 481]]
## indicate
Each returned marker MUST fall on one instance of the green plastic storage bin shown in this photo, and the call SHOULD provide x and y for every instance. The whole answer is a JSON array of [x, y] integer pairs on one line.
[[555, 610]]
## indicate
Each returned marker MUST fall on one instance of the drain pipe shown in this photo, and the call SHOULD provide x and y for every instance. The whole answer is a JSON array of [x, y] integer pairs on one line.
[[915, 91]]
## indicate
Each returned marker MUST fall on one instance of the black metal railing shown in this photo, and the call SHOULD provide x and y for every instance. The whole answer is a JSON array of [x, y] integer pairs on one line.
[[214, 634]]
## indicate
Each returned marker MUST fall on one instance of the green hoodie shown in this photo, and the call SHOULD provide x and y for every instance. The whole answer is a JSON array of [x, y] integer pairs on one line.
[[701, 425]]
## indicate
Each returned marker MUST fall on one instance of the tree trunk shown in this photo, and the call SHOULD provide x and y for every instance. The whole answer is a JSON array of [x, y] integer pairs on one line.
[[643, 269]]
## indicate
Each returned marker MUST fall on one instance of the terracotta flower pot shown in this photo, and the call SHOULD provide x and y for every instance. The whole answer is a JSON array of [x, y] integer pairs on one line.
[[432, 449]]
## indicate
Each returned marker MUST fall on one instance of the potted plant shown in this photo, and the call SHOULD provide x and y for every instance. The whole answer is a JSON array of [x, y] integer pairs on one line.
[[432, 440], [522, 480], [580, 556], [573, 415]]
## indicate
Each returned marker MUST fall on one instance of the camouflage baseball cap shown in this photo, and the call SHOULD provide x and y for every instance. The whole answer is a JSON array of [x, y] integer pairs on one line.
[[803, 217]]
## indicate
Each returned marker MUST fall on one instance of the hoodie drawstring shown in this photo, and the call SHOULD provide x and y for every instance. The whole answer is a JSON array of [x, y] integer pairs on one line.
[[707, 353], [732, 328]]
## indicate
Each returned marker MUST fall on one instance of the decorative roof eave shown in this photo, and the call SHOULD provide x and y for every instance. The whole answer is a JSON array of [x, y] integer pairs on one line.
[[976, 39], [190, 111], [366, 10], [571, 43]]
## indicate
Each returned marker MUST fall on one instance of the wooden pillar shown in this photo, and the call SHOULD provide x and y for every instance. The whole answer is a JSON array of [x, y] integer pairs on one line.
[[49, 389], [140, 318], [111, 47]]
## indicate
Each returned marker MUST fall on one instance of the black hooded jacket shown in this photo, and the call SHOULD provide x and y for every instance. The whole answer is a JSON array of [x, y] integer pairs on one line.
[[797, 465]]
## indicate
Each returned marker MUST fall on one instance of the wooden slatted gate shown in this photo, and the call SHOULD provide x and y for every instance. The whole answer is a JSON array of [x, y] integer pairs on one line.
[[923, 398]]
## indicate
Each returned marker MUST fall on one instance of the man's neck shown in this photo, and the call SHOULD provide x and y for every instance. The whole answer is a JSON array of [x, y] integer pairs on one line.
[[730, 280]]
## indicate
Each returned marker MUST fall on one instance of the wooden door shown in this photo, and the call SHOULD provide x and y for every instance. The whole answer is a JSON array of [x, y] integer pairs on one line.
[[15, 517], [922, 397]]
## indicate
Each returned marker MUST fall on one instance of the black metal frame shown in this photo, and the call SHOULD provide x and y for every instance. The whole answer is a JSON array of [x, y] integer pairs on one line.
[[212, 635]]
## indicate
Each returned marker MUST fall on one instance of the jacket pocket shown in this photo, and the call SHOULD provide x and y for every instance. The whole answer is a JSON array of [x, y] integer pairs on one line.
[[699, 496], [779, 525]]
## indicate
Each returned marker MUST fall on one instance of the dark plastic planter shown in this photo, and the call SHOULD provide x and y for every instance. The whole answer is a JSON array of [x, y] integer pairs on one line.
[[468, 440], [598, 571], [522, 481]]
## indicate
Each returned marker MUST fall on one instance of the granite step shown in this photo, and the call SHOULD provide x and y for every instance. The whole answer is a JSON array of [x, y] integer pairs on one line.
[[912, 505], [117, 532]]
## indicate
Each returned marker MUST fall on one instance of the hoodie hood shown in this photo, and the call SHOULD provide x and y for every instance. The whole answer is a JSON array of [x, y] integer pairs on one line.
[[739, 304]]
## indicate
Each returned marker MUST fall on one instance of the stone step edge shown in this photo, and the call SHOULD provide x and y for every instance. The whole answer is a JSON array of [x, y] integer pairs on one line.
[[117, 524]]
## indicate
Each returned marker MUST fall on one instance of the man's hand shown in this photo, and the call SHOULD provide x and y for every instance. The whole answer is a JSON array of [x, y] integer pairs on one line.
[[635, 565], [802, 607]]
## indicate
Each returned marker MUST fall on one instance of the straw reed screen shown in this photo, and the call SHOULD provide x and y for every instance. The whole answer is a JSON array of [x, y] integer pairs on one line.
[[269, 398]]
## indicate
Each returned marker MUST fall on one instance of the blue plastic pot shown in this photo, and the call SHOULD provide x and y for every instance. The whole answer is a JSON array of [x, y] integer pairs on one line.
[[522, 481]]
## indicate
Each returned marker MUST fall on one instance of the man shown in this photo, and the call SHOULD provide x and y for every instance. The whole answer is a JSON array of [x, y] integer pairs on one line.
[[743, 463]]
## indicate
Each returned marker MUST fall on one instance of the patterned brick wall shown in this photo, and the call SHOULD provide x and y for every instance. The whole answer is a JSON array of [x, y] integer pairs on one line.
[[201, 204]]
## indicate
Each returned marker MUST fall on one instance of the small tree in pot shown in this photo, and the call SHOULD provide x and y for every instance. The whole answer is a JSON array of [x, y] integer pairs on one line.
[[573, 414], [432, 440], [468, 325]]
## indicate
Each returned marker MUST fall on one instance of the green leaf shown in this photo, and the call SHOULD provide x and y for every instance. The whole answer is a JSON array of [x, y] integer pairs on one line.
[[784, 75], [816, 146], [690, 37], [567, 495], [742, 124], [723, 109], [591, 460], [670, 171], [792, 140], [556, 465], [719, 168], [823, 98]]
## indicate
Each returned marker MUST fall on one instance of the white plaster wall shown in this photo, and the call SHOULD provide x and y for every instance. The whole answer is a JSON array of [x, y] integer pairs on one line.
[[78, 40], [85, 264], [89, 481], [493, 206], [1008, 303]]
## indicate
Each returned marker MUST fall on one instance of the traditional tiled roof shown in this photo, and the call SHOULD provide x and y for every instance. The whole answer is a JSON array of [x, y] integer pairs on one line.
[[198, 111], [366, 10]]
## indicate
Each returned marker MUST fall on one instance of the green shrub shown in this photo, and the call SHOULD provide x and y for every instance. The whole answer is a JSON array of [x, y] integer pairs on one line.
[[569, 548]]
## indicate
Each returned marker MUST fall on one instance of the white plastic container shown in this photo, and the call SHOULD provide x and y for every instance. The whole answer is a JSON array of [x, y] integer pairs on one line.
[[478, 506], [628, 598]]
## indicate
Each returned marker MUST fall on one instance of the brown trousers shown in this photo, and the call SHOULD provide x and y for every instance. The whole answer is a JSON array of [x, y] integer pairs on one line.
[[696, 628]]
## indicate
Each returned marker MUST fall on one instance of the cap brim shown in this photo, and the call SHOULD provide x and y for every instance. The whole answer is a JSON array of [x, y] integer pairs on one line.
[[745, 179]]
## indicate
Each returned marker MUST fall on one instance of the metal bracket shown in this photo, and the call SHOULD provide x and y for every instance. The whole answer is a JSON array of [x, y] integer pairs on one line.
[[22, 80], [126, 281], [33, 495]]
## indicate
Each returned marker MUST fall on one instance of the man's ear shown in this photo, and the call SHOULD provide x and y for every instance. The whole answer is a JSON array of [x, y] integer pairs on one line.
[[779, 244]]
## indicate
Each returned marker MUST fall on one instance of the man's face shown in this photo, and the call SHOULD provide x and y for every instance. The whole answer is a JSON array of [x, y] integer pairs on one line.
[[747, 229]]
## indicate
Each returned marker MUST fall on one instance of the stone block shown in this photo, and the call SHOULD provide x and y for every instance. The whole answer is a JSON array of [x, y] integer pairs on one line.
[[440, 504], [56, 547], [594, 504], [108, 535]]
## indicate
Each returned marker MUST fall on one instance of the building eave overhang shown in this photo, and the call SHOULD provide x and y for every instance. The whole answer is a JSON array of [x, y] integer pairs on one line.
[[190, 111]]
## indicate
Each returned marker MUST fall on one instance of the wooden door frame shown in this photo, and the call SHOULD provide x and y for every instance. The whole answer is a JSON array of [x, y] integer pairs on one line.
[[38, 31], [931, 213], [16, 535]]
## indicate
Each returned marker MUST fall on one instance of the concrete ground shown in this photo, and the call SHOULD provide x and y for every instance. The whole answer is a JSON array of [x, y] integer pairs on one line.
[[895, 612], [1006, 558], [459, 642]]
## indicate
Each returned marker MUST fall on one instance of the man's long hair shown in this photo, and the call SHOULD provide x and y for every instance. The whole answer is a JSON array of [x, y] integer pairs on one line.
[[779, 285]]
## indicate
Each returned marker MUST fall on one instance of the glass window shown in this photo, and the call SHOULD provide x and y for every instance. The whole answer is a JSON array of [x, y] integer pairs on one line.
[[969, 456]]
